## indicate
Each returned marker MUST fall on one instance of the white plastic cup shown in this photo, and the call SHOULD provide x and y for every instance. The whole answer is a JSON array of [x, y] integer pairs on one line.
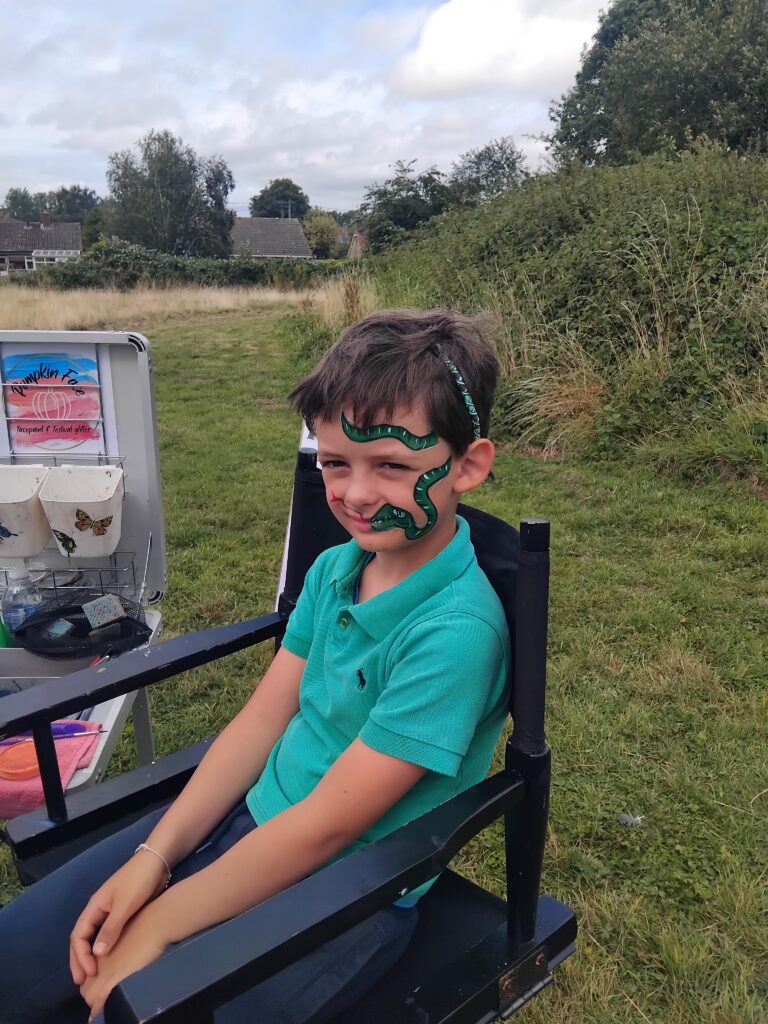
[[84, 506], [24, 530]]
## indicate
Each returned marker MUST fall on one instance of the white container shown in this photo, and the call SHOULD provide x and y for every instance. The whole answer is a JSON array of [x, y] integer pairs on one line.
[[84, 505], [24, 530]]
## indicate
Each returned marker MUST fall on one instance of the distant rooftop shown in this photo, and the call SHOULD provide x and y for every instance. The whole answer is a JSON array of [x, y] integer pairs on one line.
[[270, 236], [16, 236]]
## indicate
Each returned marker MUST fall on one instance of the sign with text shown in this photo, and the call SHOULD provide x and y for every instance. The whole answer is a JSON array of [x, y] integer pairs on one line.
[[52, 400]]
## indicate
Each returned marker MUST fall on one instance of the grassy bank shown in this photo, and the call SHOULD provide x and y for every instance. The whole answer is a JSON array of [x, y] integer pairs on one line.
[[658, 675], [631, 306]]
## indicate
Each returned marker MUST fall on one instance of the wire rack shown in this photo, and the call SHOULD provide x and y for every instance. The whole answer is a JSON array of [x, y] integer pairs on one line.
[[56, 574]]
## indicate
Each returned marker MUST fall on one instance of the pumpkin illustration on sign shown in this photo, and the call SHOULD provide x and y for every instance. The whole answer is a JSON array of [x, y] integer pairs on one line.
[[84, 522]]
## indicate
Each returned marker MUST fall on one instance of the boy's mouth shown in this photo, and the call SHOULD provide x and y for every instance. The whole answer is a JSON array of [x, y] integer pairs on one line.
[[356, 518]]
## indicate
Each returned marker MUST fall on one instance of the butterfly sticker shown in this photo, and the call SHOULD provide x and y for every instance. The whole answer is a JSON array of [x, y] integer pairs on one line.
[[66, 541], [5, 533], [84, 522]]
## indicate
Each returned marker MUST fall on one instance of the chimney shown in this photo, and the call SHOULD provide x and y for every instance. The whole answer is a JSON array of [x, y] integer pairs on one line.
[[45, 219]]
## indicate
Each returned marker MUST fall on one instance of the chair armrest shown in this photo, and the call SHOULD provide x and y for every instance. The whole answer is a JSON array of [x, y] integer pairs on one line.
[[190, 980], [130, 671]]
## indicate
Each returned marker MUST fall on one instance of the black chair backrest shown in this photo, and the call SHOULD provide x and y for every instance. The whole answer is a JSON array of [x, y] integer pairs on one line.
[[497, 547], [313, 527]]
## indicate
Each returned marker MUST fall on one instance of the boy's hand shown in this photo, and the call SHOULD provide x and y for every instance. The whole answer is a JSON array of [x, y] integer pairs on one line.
[[108, 911], [141, 942]]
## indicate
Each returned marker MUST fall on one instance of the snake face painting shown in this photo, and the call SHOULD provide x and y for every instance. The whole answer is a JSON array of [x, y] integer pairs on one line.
[[391, 516]]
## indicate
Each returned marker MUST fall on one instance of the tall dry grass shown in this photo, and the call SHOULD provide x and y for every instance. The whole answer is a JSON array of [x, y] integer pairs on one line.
[[40, 309], [342, 300]]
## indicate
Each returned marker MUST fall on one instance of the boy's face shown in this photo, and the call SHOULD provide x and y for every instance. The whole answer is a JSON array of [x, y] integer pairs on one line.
[[390, 485]]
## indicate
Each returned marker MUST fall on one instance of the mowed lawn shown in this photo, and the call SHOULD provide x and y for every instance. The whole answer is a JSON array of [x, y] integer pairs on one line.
[[658, 673]]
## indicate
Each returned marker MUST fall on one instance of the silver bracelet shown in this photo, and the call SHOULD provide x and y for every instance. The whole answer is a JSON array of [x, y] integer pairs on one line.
[[143, 846]]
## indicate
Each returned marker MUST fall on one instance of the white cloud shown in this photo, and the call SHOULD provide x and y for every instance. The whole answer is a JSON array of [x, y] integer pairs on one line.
[[388, 31], [303, 90], [487, 45]]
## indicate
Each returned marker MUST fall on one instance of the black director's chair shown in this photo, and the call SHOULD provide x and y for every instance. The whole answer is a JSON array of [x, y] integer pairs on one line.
[[473, 956]]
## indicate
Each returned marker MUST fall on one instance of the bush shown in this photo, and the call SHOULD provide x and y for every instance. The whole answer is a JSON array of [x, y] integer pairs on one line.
[[123, 265], [660, 252], [623, 296]]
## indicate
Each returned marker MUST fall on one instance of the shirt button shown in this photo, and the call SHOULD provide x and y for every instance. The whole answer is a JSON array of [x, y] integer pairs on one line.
[[344, 621]]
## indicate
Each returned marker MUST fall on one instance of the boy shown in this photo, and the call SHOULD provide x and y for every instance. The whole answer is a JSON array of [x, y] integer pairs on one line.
[[386, 698]]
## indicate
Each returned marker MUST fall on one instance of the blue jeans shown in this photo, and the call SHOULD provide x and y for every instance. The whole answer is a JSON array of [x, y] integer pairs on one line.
[[37, 988]]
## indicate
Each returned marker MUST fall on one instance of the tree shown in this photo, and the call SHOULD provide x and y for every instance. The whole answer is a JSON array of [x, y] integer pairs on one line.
[[280, 198], [489, 171], [404, 201], [661, 73], [20, 205], [345, 217], [167, 197], [72, 203], [322, 233], [99, 223]]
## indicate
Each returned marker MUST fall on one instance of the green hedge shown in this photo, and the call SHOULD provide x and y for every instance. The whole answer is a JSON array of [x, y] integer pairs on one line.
[[123, 265]]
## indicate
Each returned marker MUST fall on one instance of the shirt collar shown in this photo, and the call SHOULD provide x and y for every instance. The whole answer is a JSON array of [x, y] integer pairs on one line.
[[381, 614]]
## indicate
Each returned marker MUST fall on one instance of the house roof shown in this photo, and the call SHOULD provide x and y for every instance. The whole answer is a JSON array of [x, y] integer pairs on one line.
[[18, 237], [270, 236]]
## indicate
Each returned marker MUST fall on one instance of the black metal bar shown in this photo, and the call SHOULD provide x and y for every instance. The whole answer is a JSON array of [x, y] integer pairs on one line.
[[48, 764], [530, 640], [224, 962], [130, 671], [525, 834]]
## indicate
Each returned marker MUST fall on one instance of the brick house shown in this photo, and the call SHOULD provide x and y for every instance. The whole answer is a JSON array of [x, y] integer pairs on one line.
[[29, 245]]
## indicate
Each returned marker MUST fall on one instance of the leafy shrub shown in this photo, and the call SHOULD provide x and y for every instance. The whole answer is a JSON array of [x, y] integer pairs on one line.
[[123, 265], [659, 252], [623, 297]]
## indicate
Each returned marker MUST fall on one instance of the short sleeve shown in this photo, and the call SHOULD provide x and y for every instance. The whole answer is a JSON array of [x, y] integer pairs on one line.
[[447, 674], [301, 624]]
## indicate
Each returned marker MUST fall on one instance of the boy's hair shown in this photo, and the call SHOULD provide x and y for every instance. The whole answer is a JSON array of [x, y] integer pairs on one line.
[[396, 358]]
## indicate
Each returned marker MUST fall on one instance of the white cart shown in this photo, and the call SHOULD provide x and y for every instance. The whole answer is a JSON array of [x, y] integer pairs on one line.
[[85, 398]]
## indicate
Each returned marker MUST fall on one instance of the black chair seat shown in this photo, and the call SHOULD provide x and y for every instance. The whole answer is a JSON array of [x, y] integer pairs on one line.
[[460, 950]]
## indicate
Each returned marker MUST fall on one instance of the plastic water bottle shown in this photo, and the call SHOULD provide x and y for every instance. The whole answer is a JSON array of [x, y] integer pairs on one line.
[[21, 599]]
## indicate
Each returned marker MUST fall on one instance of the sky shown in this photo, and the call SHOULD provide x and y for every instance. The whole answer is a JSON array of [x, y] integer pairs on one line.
[[329, 93]]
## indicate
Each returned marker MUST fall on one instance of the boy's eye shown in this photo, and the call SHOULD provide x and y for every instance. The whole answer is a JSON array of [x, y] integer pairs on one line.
[[332, 464], [397, 466]]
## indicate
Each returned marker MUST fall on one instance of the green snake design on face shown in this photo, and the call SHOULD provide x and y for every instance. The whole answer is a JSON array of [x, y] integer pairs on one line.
[[390, 517], [381, 431]]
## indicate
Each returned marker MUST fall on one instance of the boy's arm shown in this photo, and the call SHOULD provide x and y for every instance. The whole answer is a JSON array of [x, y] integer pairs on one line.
[[354, 793], [234, 761], [227, 771]]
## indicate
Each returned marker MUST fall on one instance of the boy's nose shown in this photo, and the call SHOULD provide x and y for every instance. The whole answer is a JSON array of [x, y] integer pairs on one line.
[[358, 493]]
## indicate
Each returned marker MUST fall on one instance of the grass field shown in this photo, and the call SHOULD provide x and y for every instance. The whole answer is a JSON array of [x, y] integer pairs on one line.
[[658, 673]]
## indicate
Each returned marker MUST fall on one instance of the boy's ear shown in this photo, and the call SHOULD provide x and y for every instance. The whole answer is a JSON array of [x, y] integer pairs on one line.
[[475, 465]]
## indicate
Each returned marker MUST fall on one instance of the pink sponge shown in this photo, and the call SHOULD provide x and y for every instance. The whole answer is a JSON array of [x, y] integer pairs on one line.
[[104, 610]]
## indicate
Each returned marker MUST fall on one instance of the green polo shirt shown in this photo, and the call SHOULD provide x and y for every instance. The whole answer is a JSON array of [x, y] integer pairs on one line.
[[418, 672]]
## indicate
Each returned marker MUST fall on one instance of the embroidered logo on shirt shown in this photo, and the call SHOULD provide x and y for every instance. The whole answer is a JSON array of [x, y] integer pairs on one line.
[[361, 680]]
